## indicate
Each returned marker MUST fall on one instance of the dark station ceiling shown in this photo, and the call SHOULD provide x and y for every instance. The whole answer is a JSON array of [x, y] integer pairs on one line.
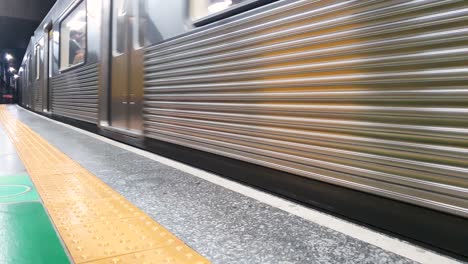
[[18, 20]]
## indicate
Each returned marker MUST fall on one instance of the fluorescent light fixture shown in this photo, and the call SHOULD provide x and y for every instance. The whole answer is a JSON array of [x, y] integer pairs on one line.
[[8, 57], [11, 69], [21, 69], [16, 76]]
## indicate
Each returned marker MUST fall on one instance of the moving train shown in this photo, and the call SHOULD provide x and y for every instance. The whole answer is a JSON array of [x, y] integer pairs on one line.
[[355, 107]]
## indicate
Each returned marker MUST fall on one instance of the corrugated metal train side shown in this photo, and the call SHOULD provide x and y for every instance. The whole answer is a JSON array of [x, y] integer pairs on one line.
[[359, 108]]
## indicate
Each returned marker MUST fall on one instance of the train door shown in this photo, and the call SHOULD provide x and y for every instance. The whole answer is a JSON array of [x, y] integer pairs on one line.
[[126, 80]]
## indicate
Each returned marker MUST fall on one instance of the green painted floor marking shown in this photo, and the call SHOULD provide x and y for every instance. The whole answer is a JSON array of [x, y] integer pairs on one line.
[[27, 236], [17, 188]]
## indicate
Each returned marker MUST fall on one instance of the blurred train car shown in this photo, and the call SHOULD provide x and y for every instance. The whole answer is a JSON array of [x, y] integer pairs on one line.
[[359, 108]]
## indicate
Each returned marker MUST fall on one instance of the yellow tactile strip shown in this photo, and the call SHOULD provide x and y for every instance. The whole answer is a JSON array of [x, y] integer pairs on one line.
[[96, 224]]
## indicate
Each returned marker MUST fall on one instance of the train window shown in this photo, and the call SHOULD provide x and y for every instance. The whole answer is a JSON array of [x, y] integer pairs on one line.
[[30, 68], [119, 23], [157, 24], [206, 11], [140, 25], [51, 52], [73, 38], [37, 55]]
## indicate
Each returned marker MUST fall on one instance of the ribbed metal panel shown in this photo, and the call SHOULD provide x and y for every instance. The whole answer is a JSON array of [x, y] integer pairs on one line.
[[371, 95], [75, 93], [37, 96]]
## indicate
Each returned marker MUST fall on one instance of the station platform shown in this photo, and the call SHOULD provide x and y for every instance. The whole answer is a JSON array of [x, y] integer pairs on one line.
[[70, 196]]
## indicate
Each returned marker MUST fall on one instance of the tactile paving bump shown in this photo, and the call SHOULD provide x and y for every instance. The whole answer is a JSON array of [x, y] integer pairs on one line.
[[110, 238], [96, 223], [87, 211]]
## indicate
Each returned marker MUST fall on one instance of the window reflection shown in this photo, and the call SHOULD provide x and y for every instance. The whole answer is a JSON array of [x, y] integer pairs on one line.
[[157, 24], [203, 8], [73, 38]]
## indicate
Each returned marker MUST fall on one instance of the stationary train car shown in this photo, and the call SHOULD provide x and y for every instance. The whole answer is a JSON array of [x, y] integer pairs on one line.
[[356, 107]]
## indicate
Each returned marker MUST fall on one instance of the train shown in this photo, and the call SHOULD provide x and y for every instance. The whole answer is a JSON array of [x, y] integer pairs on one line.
[[355, 107]]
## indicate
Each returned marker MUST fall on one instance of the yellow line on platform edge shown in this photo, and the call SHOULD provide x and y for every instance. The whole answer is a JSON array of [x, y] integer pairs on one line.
[[96, 223]]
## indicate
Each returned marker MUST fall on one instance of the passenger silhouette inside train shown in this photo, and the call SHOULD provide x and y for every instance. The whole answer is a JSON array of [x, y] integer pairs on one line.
[[76, 54]]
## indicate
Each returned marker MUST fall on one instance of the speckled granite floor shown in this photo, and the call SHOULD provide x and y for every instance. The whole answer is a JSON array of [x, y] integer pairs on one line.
[[222, 225]]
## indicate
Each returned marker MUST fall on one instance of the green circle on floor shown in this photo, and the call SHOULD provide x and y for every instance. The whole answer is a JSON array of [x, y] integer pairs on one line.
[[9, 190]]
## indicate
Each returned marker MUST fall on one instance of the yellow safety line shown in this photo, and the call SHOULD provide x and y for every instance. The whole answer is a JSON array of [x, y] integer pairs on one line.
[[96, 223]]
